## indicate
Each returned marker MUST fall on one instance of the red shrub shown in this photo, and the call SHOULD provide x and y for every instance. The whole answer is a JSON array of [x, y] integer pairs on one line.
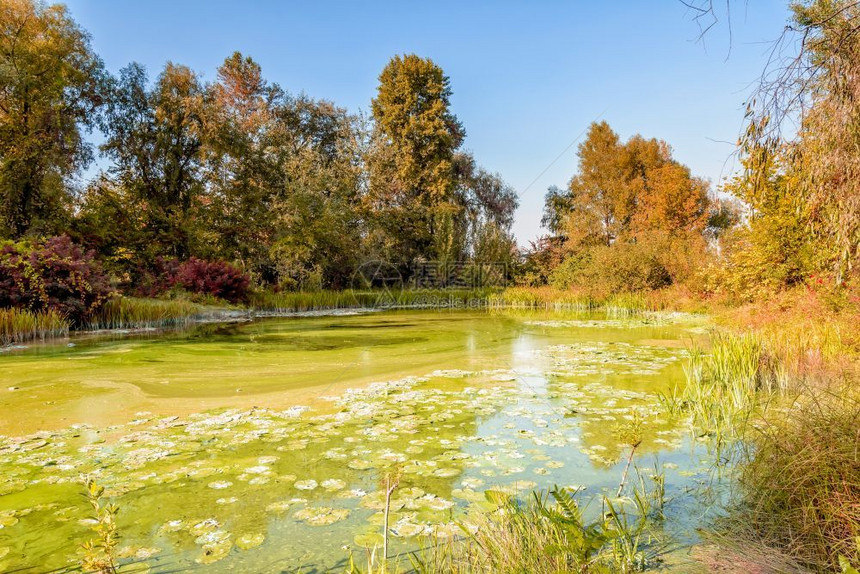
[[217, 278], [56, 274]]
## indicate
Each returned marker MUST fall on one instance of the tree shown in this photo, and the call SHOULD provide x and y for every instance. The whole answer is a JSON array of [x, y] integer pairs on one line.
[[632, 211], [241, 176], [811, 81], [411, 160], [154, 137], [50, 90]]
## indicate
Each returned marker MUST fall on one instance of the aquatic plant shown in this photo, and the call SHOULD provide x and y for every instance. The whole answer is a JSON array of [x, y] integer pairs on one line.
[[100, 552], [546, 534], [21, 325], [132, 312], [724, 386], [299, 301], [630, 434], [616, 305]]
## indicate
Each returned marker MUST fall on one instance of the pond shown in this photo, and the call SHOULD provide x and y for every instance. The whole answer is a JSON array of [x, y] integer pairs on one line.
[[259, 446]]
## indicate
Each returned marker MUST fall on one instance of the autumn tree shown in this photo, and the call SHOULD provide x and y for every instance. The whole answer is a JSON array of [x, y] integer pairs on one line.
[[50, 89], [154, 137], [411, 161], [631, 214]]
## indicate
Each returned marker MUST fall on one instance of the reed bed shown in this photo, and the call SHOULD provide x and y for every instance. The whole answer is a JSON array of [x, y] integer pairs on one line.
[[300, 301], [616, 305], [796, 445], [132, 312], [22, 325]]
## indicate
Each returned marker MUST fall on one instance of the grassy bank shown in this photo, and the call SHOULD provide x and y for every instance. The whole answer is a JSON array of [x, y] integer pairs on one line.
[[21, 325], [788, 403]]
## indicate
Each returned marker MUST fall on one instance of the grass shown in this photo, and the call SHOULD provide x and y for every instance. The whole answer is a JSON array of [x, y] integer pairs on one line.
[[617, 305], [299, 301], [131, 312], [21, 325], [545, 535], [797, 444], [801, 484]]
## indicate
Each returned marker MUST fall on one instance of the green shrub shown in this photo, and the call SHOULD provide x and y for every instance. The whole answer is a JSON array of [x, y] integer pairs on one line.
[[621, 267]]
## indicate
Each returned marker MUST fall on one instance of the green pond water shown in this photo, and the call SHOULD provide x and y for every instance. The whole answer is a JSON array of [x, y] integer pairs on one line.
[[259, 446]]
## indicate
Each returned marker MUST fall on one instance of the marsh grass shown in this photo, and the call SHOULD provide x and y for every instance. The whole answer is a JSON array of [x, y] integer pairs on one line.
[[132, 312], [796, 444], [546, 534], [724, 387], [300, 301], [615, 305], [21, 325], [801, 483]]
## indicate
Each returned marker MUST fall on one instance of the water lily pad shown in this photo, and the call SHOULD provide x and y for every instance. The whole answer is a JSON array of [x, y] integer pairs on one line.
[[248, 541], [321, 515], [306, 484], [8, 520], [333, 484], [369, 540], [202, 527]]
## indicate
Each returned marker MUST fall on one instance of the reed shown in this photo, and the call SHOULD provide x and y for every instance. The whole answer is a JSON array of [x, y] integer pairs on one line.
[[301, 301], [132, 312], [724, 387], [21, 325]]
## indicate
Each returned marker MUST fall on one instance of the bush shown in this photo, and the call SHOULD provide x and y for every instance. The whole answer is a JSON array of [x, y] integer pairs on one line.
[[55, 275], [217, 278], [621, 267]]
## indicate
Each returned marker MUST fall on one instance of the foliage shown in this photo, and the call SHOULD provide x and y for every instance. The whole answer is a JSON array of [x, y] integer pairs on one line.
[[100, 552], [425, 198], [217, 278], [154, 139], [632, 218], [52, 88], [53, 275], [613, 269]]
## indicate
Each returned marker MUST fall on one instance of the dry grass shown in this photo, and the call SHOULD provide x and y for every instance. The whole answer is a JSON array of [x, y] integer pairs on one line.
[[801, 486]]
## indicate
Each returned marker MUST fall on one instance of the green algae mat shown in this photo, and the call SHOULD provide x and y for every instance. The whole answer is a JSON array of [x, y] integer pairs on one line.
[[260, 446]]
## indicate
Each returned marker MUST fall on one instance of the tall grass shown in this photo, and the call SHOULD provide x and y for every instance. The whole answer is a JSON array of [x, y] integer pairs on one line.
[[131, 312], [299, 301], [618, 304], [797, 447], [546, 535], [724, 386], [801, 484], [21, 325]]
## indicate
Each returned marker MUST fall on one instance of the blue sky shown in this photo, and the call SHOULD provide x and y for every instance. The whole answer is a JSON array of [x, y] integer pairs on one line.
[[528, 77]]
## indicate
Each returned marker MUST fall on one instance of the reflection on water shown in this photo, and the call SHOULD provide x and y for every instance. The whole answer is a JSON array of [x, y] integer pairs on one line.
[[461, 401]]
